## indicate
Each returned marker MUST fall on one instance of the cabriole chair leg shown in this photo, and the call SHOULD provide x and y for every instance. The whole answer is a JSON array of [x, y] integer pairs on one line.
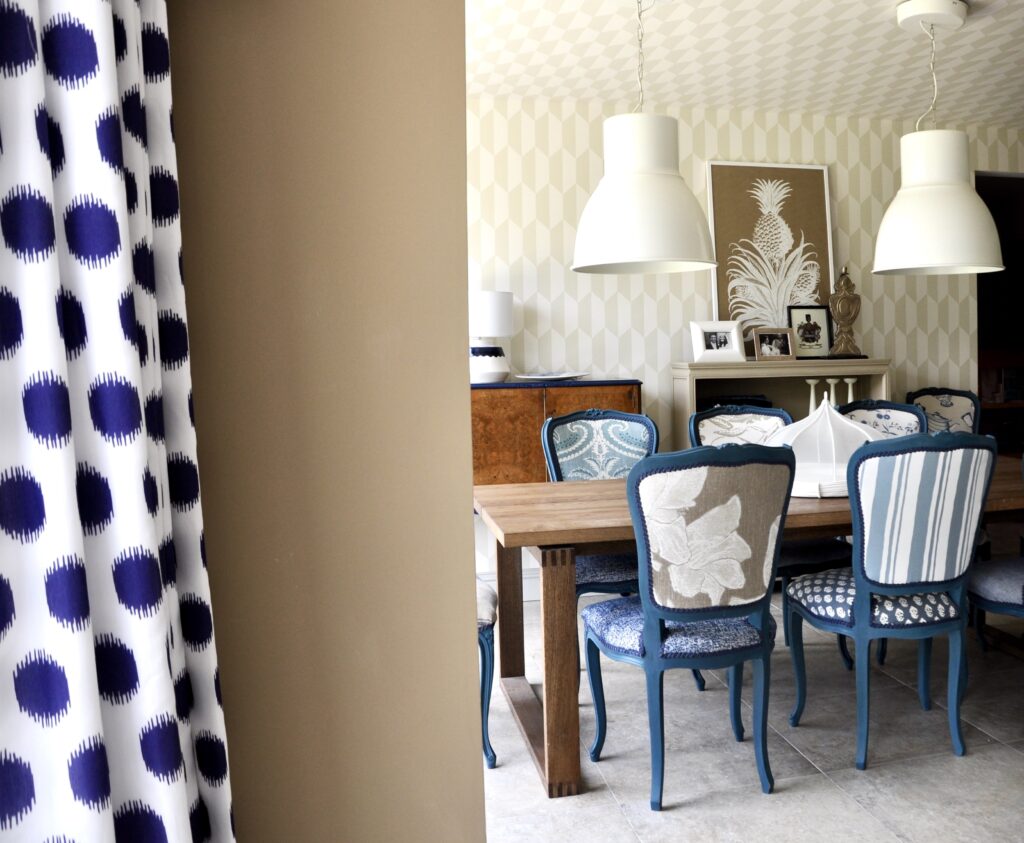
[[485, 640], [762, 675], [796, 652], [863, 655], [656, 720], [844, 651], [735, 692], [597, 695]]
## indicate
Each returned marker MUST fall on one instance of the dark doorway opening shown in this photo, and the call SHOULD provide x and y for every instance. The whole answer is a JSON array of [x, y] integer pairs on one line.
[[1001, 317]]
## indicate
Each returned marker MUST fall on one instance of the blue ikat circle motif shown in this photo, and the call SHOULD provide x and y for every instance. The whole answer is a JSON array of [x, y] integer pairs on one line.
[[41, 688], [47, 407], [69, 51], [115, 409], [12, 328], [17, 40], [26, 223], [92, 232], [117, 673], [22, 511], [17, 789], [89, 774], [67, 593]]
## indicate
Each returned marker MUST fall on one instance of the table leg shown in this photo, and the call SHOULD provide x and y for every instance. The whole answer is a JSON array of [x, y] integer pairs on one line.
[[510, 611], [561, 700]]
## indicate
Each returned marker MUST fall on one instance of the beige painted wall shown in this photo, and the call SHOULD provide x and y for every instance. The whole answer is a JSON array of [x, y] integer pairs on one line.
[[322, 156], [533, 162]]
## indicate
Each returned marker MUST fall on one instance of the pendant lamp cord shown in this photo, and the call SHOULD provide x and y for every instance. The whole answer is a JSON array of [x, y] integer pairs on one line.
[[930, 32], [640, 54]]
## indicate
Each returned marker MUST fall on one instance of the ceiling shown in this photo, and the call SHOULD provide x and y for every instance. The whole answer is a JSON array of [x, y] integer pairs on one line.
[[836, 57]]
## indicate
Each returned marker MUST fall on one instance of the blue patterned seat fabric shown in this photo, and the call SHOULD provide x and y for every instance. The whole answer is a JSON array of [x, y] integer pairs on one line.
[[600, 449], [620, 625], [887, 420], [952, 413], [830, 595], [1001, 581], [606, 568]]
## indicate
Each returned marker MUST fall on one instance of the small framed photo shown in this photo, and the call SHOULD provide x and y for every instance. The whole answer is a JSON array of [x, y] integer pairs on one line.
[[774, 344], [717, 342], [812, 327]]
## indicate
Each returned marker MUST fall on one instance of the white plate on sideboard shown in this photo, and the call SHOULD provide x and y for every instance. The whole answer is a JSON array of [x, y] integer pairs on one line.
[[551, 376]]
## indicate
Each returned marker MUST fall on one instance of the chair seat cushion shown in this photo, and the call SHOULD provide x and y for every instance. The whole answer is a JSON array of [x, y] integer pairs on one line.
[[807, 556], [486, 605], [830, 595], [619, 624], [606, 568], [1001, 581]]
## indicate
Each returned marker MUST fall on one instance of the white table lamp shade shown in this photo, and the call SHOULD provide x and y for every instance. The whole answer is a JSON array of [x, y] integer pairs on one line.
[[490, 314], [936, 224], [642, 218], [490, 318]]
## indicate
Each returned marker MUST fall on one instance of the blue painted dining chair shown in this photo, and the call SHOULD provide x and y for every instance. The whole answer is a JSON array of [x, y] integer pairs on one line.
[[741, 423], [948, 410], [996, 586], [600, 445], [708, 523], [894, 419], [486, 615], [916, 502]]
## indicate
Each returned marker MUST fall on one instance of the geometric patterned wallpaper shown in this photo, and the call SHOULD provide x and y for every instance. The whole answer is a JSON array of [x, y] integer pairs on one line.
[[533, 162]]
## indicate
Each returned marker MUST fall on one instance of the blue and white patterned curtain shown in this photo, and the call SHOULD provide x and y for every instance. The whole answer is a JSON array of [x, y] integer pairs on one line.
[[111, 725]]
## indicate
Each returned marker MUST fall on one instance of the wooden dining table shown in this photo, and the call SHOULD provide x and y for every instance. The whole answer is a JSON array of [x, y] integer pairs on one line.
[[553, 522]]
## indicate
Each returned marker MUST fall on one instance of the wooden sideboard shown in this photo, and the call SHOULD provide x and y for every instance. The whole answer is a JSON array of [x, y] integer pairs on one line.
[[783, 381], [507, 418]]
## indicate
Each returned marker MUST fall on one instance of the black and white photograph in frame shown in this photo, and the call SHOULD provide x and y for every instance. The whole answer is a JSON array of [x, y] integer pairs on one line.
[[717, 342], [774, 344], [812, 329]]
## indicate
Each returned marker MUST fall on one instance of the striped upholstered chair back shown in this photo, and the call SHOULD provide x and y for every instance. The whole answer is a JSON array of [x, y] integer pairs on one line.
[[916, 503]]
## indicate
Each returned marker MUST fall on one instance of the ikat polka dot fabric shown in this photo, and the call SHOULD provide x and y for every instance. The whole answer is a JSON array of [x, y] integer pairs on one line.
[[111, 725]]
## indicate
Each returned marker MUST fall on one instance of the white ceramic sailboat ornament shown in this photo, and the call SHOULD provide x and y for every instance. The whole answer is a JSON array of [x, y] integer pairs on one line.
[[822, 444]]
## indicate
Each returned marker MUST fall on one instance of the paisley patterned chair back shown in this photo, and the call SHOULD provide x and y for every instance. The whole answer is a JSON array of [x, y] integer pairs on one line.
[[887, 416], [917, 502], [596, 444], [948, 410], [736, 425], [708, 523]]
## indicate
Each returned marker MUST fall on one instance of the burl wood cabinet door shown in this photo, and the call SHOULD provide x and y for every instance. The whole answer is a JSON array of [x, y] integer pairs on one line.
[[506, 436], [571, 399]]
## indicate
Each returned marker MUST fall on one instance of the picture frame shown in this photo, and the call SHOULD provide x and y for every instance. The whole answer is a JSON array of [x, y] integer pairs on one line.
[[774, 344], [772, 229], [812, 329], [717, 342]]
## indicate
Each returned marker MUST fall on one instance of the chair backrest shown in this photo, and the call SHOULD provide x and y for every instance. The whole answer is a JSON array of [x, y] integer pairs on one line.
[[708, 524], [916, 503], [596, 444], [735, 424], [948, 410], [887, 416]]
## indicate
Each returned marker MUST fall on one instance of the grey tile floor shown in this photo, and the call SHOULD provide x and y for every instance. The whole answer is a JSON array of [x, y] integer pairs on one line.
[[914, 787]]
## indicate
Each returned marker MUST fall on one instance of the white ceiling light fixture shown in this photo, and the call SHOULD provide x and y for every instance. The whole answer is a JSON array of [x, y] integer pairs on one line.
[[642, 218], [936, 224]]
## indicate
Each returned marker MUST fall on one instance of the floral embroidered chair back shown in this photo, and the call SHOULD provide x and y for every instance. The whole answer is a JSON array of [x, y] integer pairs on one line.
[[596, 444], [887, 416], [948, 410], [708, 523], [736, 425], [917, 503]]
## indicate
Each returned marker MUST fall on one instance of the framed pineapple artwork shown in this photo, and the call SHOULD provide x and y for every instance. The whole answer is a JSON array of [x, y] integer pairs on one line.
[[773, 238]]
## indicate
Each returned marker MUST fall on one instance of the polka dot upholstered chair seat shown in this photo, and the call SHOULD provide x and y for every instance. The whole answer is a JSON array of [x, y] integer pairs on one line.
[[830, 596]]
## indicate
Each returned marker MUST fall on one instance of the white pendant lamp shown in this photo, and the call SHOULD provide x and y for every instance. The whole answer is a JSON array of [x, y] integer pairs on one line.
[[936, 224], [642, 218]]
